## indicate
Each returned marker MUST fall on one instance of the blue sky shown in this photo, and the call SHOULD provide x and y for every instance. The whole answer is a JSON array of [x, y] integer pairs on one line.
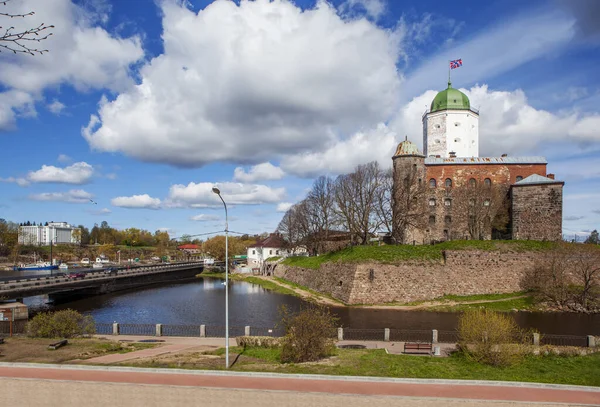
[[142, 105]]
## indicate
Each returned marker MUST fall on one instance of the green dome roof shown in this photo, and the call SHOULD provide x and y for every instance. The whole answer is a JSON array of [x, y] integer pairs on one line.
[[450, 99]]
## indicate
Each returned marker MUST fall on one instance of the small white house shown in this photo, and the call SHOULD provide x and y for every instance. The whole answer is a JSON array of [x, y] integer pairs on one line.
[[272, 246]]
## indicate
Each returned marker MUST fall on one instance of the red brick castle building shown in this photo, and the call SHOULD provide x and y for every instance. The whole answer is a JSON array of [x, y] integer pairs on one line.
[[448, 192]]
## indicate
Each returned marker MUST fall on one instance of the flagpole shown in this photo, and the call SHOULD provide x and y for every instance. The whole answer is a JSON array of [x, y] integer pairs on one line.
[[449, 81]]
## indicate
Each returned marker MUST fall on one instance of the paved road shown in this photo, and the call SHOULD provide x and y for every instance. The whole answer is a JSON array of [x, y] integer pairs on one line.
[[90, 387]]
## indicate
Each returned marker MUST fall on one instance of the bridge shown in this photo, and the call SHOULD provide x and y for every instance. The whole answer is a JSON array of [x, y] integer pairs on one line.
[[96, 282]]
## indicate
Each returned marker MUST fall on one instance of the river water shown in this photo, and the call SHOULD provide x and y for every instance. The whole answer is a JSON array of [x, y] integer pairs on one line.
[[202, 301]]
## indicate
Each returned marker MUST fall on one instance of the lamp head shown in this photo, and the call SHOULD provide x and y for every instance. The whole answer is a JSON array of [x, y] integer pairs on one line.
[[216, 190]]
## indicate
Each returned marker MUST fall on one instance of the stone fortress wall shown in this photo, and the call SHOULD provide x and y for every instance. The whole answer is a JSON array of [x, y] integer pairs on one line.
[[460, 272]]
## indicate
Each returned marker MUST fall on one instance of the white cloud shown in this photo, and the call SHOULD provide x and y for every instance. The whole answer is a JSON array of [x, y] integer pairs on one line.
[[284, 206], [22, 182], [373, 8], [266, 78], [136, 201], [507, 124], [78, 173], [56, 107], [344, 155], [204, 218], [201, 196], [63, 158], [111, 176], [261, 172], [72, 196], [81, 54]]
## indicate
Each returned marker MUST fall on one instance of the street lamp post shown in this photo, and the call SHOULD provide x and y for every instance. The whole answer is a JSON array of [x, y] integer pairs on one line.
[[218, 192]]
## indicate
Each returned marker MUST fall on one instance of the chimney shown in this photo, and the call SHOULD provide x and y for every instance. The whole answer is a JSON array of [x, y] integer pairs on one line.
[[551, 176], [452, 154], [504, 155]]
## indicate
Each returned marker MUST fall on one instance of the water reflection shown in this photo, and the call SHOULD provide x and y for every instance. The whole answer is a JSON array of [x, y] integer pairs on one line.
[[202, 302]]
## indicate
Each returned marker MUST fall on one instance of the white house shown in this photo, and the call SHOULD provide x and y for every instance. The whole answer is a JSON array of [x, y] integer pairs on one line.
[[55, 232], [272, 246]]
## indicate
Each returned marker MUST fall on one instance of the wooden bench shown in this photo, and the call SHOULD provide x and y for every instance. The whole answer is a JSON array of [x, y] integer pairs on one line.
[[58, 344], [418, 347]]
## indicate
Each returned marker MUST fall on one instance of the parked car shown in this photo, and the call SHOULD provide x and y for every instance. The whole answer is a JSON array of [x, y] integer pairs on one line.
[[76, 275]]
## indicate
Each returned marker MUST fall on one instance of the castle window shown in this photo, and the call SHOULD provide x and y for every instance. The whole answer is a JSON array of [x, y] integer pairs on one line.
[[253, 251], [519, 178], [432, 202], [437, 126], [457, 140], [448, 183], [437, 141], [432, 220], [406, 182], [448, 219], [472, 202], [487, 182], [472, 183], [420, 181], [486, 202], [432, 183], [448, 202], [270, 251], [456, 124]]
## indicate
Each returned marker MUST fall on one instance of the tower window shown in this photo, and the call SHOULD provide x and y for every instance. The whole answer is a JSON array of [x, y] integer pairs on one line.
[[432, 183], [448, 202], [437, 126], [448, 183], [448, 219], [432, 202], [432, 220], [519, 178], [472, 183], [486, 202], [487, 182]]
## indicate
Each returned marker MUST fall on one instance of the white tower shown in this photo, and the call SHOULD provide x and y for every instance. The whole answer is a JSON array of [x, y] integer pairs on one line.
[[451, 125]]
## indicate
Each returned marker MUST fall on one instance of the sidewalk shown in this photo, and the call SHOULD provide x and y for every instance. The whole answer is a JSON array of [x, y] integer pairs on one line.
[[98, 385]]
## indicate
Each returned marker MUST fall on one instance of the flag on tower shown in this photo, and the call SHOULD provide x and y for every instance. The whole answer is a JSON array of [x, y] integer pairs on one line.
[[456, 63]]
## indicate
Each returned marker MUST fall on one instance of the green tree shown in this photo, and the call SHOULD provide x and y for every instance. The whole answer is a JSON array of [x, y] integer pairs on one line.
[[593, 238]]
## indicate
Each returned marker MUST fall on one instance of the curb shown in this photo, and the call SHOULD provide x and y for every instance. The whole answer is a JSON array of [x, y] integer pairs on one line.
[[373, 379]]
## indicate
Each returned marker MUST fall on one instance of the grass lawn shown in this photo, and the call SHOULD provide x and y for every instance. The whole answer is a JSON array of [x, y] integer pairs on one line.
[[35, 350], [578, 370], [392, 254]]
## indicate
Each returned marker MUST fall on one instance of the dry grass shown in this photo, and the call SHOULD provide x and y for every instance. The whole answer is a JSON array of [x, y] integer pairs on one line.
[[35, 350]]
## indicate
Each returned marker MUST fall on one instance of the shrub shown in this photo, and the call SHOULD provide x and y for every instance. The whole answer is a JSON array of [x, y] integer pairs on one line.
[[309, 334], [258, 341], [61, 324], [491, 337]]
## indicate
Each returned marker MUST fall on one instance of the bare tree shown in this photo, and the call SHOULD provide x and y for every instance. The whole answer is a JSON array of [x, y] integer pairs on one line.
[[18, 41], [484, 206], [409, 205], [320, 205], [355, 196], [586, 267], [383, 200]]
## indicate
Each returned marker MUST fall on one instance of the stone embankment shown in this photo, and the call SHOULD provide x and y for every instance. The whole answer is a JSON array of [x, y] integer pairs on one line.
[[460, 272]]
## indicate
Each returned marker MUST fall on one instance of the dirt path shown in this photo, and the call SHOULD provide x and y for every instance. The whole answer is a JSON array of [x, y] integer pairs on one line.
[[323, 300]]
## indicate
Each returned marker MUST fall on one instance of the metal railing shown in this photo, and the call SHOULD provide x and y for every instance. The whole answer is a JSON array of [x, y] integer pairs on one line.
[[19, 327], [564, 340]]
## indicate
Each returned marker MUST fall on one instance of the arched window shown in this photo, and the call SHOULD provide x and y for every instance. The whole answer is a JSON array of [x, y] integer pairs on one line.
[[448, 202], [432, 202], [448, 183], [448, 219], [519, 178], [487, 182], [432, 220], [472, 183], [432, 183]]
